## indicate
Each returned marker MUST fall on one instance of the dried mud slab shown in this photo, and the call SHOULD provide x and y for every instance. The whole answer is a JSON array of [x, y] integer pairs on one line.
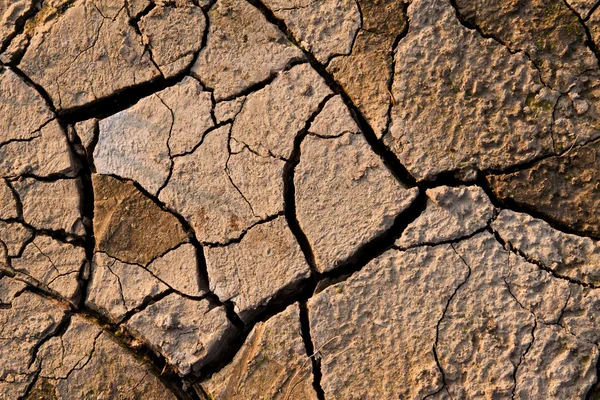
[[271, 364], [51, 205], [173, 35], [188, 333], [366, 73], [345, 196], [11, 13], [565, 189], [272, 117], [54, 265], [582, 7], [76, 55], [242, 49], [130, 226], [325, 28], [451, 213], [464, 102], [31, 141], [116, 288], [568, 255], [360, 325], [267, 262], [201, 191]]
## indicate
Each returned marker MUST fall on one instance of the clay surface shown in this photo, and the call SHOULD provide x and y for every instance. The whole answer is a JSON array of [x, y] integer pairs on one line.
[[303, 199]]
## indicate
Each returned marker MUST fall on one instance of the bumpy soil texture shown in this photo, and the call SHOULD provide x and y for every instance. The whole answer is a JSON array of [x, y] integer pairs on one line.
[[299, 199]]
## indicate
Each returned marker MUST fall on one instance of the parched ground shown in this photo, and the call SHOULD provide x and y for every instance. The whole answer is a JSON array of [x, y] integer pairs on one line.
[[299, 199]]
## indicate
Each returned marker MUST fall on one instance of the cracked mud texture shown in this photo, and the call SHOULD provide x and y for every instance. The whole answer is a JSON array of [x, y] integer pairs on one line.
[[308, 199]]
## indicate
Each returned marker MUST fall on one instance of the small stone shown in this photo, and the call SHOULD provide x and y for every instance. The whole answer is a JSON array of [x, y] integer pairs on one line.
[[174, 35], [362, 325], [345, 197], [130, 226], [179, 270], [201, 191], [227, 110], [8, 203], [325, 28], [266, 262], [272, 116], [242, 49], [564, 188], [448, 118], [53, 205], [191, 108], [53, 265], [568, 255], [87, 362], [272, 364], [188, 333], [451, 213], [75, 55], [116, 288]]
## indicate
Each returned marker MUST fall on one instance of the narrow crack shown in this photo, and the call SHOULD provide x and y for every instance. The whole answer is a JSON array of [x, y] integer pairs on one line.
[[509, 247], [390, 82], [310, 351], [289, 190], [473, 27], [589, 41]]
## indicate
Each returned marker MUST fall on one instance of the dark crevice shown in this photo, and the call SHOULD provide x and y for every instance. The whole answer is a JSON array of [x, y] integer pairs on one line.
[[40, 90], [302, 292], [86, 205], [592, 10], [148, 301], [516, 370], [387, 156], [589, 41], [19, 26], [315, 358], [289, 190], [129, 96], [240, 237], [390, 82]]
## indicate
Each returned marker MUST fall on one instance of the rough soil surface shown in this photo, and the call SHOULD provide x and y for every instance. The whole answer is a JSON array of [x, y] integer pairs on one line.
[[303, 199]]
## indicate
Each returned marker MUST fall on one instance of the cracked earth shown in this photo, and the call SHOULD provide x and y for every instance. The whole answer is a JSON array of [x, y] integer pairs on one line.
[[299, 199]]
